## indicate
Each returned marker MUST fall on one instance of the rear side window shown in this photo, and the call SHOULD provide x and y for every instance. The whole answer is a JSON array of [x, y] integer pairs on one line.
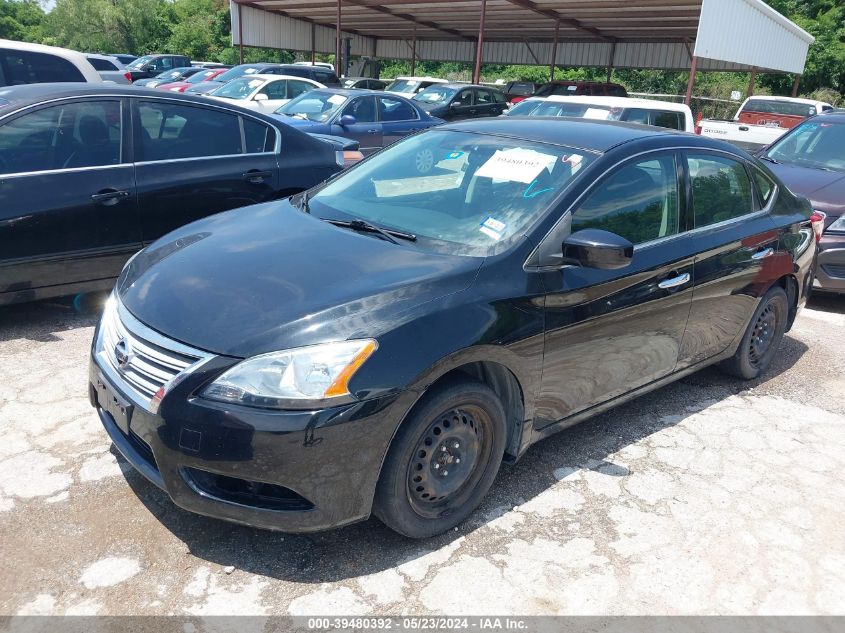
[[326, 78], [498, 97], [63, 136], [24, 67], [296, 88], [102, 64], [258, 136], [638, 202], [391, 109], [720, 189], [765, 187], [171, 131], [671, 120], [616, 91]]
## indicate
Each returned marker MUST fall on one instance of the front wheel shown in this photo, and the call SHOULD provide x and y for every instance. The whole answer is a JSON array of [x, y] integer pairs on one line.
[[762, 338], [442, 461]]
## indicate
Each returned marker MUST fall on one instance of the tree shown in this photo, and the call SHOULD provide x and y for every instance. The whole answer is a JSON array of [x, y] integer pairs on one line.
[[21, 20]]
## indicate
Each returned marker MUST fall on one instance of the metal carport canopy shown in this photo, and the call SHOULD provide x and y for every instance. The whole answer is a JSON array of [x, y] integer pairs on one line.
[[659, 34]]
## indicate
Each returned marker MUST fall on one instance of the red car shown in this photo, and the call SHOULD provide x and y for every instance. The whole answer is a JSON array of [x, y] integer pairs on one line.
[[182, 86]]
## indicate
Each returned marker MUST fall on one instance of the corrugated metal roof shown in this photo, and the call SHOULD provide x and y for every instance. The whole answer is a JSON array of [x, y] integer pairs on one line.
[[663, 34]]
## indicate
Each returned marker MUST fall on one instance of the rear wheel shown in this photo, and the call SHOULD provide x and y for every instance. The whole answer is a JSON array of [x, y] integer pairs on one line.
[[442, 461], [762, 338]]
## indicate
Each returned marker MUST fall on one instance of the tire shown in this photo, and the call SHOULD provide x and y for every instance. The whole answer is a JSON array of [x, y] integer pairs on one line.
[[762, 338], [442, 460]]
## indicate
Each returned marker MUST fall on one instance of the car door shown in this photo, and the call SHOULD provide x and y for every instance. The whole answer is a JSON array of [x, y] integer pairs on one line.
[[398, 118], [738, 253], [194, 161], [67, 194], [462, 105], [366, 129], [611, 331], [485, 105]]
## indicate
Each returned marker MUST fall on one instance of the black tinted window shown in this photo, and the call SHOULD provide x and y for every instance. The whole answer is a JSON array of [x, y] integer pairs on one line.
[[765, 187], [19, 67], [326, 78], [392, 109], [102, 64], [616, 91], [62, 137], [720, 189], [259, 137], [671, 120], [498, 97], [175, 131], [638, 202], [483, 97], [363, 109]]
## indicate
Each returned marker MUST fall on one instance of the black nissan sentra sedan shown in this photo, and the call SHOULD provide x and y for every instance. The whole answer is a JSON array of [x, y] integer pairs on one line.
[[381, 343]]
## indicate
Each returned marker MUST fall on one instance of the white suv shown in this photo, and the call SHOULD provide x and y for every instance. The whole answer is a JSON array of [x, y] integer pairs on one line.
[[24, 63]]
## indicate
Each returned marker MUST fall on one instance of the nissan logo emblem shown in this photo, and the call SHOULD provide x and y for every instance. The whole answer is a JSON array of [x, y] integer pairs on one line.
[[122, 353]]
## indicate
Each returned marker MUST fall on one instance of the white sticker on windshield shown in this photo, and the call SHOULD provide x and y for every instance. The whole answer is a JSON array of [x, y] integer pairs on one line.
[[250, 71], [491, 227], [336, 99], [596, 113], [515, 165]]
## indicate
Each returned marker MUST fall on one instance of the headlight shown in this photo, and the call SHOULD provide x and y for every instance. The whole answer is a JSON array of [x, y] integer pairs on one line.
[[293, 379], [838, 226]]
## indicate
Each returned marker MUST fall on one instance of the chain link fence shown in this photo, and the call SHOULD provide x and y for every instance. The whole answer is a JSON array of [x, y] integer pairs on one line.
[[708, 107]]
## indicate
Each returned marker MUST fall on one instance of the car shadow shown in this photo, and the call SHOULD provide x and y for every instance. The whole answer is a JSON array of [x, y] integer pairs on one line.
[[827, 302], [370, 547], [40, 320]]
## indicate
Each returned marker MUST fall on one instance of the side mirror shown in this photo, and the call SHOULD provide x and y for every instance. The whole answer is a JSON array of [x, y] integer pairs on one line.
[[347, 119], [454, 104], [594, 248], [260, 97]]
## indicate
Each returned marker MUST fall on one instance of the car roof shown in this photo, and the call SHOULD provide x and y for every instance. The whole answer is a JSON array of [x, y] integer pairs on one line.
[[434, 79], [831, 116], [618, 102], [598, 136]]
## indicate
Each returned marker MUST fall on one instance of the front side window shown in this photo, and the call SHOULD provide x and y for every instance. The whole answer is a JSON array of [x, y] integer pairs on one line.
[[64, 136], [275, 89], [24, 67], [720, 189], [483, 97], [170, 131], [391, 109], [464, 98], [459, 192], [363, 109], [638, 202]]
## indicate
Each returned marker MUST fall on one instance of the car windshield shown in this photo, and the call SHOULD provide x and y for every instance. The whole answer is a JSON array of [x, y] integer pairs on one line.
[[201, 76], [403, 85], [316, 105], [458, 192], [577, 110], [238, 88], [524, 108], [348, 83], [816, 143], [139, 62], [171, 74], [436, 94], [237, 71]]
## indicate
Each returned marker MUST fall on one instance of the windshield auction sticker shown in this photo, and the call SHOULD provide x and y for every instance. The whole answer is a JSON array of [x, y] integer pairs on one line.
[[515, 165]]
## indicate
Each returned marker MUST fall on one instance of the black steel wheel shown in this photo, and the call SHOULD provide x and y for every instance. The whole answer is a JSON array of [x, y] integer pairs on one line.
[[762, 338], [442, 461]]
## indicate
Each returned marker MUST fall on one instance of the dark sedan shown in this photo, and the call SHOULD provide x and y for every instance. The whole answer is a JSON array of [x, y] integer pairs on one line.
[[382, 343], [374, 119], [90, 174], [177, 74], [454, 102], [810, 159]]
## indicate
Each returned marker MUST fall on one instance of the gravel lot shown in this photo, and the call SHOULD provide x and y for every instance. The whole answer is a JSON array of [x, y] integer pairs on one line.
[[707, 496]]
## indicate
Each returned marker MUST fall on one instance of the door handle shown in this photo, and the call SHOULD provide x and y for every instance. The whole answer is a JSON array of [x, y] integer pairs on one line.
[[674, 282], [743, 128], [762, 254], [109, 197], [372, 131], [257, 177]]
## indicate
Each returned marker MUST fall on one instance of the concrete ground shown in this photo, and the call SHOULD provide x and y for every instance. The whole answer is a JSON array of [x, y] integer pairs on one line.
[[707, 496]]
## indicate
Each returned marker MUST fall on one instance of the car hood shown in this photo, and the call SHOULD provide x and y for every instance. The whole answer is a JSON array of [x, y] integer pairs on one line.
[[269, 277], [204, 87], [825, 189]]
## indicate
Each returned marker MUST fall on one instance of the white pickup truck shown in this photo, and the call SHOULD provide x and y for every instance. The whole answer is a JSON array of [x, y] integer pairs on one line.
[[761, 120]]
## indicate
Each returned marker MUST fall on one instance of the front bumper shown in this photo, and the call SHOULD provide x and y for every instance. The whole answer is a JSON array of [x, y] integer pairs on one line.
[[830, 272], [295, 471]]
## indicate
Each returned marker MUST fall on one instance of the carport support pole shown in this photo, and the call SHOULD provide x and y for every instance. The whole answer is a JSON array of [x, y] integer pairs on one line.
[[479, 49], [610, 61], [337, 64], [795, 85], [691, 82], [240, 35], [751, 81], [554, 52], [313, 43], [413, 56]]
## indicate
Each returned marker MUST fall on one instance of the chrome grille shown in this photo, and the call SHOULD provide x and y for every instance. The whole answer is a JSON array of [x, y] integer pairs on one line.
[[151, 361]]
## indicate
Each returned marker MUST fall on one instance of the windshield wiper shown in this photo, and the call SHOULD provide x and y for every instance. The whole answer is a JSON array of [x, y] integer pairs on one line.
[[356, 224], [771, 160], [303, 203]]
